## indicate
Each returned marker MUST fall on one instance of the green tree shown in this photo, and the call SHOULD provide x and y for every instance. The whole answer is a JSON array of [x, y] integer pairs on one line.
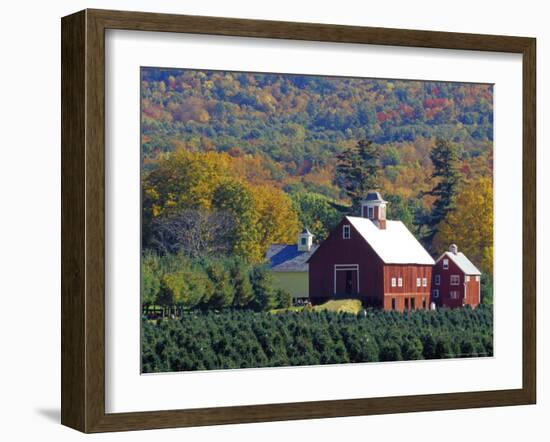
[[283, 298], [486, 289], [444, 157], [262, 285], [223, 291], [390, 351], [315, 212], [357, 171], [150, 280], [166, 295], [443, 348], [412, 348], [241, 284], [184, 288], [398, 209], [236, 198], [391, 157]]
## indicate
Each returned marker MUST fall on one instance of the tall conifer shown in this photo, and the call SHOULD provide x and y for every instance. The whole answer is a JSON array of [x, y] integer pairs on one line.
[[357, 171], [446, 175]]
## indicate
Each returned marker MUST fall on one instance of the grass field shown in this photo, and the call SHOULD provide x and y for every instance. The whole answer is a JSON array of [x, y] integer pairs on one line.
[[338, 306]]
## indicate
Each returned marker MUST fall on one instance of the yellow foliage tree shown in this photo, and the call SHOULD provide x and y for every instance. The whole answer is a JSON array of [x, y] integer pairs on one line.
[[277, 221], [470, 225], [183, 180]]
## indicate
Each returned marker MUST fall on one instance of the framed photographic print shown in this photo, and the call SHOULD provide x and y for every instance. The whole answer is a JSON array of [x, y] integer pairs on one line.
[[267, 221]]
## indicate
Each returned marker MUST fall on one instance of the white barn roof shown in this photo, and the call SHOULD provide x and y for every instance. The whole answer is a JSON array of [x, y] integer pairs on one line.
[[462, 262], [395, 244]]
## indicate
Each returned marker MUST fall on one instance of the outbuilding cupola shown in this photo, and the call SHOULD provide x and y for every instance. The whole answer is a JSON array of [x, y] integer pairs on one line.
[[305, 241], [373, 207]]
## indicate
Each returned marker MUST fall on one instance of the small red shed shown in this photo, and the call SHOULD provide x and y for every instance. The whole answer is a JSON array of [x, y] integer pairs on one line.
[[373, 259], [456, 281]]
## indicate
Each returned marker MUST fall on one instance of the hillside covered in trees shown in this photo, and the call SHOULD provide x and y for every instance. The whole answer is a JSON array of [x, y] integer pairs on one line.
[[289, 129]]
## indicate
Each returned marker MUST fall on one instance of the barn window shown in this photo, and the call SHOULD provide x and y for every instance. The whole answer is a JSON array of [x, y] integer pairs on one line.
[[467, 278], [454, 294], [445, 264], [370, 212], [413, 306], [393, 303], [477, 278], [400, 282], [304, 241], [418, 282], [424, 282], [436, 293], [437, 279], [455, 279], [393, 281], [423, 303], [346, 232], [406, 303]]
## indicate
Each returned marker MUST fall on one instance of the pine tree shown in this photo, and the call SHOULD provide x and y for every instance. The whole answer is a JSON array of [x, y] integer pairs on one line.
[[262, 285], [444, 157], [223, 291], [241, 283], [357, 171]]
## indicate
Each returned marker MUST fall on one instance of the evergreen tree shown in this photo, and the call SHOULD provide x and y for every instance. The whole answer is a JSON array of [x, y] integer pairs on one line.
[[241, 284], [150, 281], [283, 298], [262, 286], [444, 157], [223, 291], [357, 171], [486, 289], [398, 209]]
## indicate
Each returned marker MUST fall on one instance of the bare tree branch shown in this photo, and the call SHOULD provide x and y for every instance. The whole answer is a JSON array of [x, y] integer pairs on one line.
[[198, 233]]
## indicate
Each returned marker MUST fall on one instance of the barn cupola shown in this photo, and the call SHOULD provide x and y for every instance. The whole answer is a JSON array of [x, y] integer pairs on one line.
[[453, 248], [373, 207], [305, 241]]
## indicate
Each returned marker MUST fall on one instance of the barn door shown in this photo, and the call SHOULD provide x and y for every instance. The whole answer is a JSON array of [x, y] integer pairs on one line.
[[346, 280]]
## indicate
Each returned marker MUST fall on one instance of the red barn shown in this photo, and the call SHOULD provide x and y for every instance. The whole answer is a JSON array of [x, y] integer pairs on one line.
[[456, 281], [373, 259]]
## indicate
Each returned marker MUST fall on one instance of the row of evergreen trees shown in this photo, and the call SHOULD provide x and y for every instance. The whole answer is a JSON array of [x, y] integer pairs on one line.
[[175, 283], [243, 339]]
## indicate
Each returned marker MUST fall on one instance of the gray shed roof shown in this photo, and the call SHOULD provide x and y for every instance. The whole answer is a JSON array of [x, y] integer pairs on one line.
[[287, 258], [462, 262]]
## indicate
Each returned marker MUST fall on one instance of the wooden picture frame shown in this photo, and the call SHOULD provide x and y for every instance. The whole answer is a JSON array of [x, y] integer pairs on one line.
[[83, 220]]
